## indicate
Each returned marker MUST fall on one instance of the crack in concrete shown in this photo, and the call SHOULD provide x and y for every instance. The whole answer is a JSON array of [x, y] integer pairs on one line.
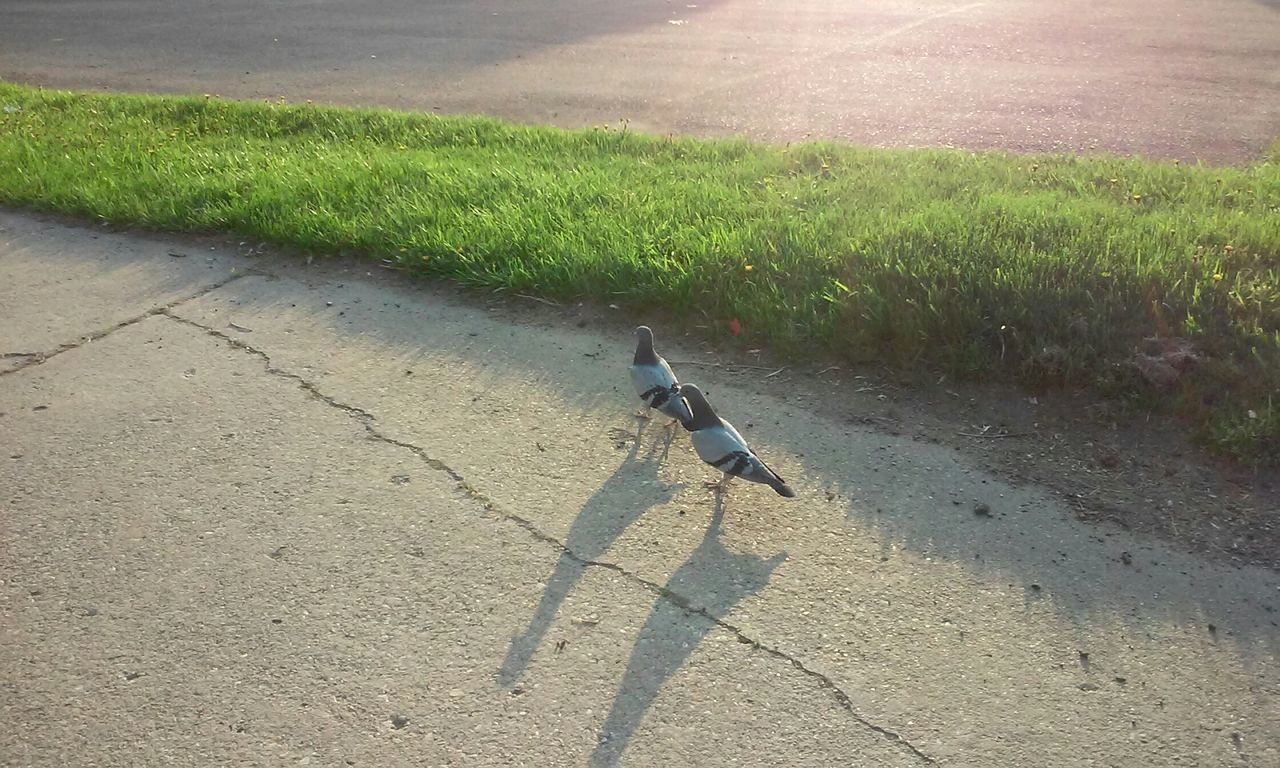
[[37, 358], [367, 419]]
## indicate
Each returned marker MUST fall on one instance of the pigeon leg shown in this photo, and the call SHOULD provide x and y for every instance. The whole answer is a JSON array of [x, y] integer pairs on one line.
[[722, 486], [671, 424], [643, 413]]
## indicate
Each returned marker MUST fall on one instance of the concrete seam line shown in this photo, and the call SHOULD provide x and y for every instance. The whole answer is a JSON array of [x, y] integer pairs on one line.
[[367, 419], [37, 358]]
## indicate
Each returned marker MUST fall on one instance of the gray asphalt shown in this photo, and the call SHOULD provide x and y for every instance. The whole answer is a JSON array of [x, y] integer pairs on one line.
[[1167, 78], [259, 514]]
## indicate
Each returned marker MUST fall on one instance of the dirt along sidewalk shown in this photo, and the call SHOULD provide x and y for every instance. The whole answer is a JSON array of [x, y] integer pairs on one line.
[[262, 514]]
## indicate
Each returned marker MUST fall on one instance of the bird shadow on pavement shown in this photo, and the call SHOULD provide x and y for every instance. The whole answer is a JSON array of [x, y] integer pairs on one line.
[[892, 501], [633, 489], [701, 591]]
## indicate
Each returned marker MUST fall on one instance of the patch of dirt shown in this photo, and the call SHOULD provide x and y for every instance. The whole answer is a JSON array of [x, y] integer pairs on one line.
[[1139, 472]]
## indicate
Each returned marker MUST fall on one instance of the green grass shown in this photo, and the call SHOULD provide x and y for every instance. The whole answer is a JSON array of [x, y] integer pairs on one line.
[[1046, 269]]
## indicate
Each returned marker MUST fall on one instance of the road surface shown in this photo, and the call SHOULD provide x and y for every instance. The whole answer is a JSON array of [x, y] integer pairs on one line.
[[1167, 78]]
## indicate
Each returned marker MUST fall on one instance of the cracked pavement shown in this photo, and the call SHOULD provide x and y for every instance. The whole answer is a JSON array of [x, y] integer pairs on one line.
[[271, 515]]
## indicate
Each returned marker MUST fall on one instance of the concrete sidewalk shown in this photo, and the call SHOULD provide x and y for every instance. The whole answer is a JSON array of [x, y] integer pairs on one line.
[[254, 514]]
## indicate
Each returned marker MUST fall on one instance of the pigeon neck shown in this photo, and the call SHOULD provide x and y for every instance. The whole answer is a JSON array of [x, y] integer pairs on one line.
[[644, 353], [703, 415]]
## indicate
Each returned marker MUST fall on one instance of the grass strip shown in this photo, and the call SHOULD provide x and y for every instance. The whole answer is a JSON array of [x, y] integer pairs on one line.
[[1049, 269]]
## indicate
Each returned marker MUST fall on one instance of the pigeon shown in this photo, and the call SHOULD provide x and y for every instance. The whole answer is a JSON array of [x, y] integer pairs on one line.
[[655, 382], [719, 444]]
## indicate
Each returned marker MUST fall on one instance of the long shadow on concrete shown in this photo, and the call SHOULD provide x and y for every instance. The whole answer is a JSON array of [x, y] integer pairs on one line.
[[631, 491], [886, 493], [713, 580]]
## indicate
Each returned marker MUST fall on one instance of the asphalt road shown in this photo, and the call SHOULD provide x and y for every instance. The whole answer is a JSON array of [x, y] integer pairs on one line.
[[1170, 78], [255, 514]]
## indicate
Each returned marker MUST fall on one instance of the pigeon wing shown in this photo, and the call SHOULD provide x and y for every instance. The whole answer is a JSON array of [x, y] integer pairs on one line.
[[653, 383], [738, 459], [718, 446]]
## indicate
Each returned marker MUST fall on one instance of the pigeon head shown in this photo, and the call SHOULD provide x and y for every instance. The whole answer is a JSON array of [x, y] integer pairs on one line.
[[644, 347]]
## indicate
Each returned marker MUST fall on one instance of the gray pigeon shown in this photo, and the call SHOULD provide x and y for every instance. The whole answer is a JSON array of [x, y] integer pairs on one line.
[[655, 382], [720, 445]]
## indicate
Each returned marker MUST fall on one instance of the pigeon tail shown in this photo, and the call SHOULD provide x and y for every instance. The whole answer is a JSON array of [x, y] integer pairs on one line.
[[782, 488]]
